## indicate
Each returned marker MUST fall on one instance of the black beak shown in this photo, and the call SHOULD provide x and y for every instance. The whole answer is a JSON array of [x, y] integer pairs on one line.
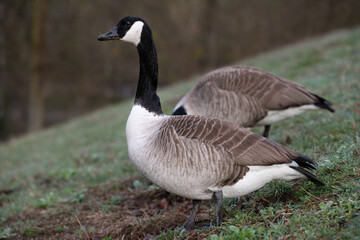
[[111, 35]]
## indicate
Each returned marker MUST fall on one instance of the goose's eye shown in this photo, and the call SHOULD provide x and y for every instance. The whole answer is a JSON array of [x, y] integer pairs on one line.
[[128, 23]]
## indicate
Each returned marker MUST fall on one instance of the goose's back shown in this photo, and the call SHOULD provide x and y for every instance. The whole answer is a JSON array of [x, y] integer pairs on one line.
[[244, 95]]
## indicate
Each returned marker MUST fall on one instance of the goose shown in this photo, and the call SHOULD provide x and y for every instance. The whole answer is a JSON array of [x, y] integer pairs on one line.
[[196, 157], [248, 96]]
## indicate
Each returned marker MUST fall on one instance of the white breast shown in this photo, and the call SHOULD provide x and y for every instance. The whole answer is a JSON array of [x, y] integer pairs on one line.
[[141, 129]]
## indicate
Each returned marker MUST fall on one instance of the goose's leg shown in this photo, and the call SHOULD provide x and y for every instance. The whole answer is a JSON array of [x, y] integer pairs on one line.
[[266, 131], [218, 199], [190, 222]]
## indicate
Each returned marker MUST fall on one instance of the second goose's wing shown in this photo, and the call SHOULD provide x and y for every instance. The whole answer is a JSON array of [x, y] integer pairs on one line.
[[213, 99], [273, 92]]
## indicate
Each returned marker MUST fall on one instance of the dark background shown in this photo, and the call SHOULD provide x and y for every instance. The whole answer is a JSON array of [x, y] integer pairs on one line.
[[52, 68]]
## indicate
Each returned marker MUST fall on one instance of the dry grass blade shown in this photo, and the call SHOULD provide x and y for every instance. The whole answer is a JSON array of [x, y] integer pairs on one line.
[[310, 194], [82, 227]]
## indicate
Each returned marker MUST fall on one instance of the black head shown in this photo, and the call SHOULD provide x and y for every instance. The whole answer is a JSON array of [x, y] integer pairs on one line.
[[128, 29]]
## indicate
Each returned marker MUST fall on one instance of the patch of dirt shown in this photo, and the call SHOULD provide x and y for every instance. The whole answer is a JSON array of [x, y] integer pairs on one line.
[[119, 210], [115, 210]]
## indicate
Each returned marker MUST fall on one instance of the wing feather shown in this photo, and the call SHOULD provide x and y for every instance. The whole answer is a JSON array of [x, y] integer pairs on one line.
[[239, 147], [273, 92]]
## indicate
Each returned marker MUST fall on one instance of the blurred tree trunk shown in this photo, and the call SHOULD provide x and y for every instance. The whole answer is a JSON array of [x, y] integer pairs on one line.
[[3, 99], [36, 87], [209, 34]]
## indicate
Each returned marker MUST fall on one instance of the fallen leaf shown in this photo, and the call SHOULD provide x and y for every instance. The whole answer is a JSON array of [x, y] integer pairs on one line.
[[163, 203]]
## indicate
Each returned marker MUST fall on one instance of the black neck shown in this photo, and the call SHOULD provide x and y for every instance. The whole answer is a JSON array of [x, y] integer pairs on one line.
[[148, 77]]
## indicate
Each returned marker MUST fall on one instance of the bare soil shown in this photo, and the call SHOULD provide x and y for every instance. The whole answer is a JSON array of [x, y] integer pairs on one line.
[[110, 210]]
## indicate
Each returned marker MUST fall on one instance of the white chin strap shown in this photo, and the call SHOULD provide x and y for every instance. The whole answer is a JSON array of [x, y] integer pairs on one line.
[[134, 33]]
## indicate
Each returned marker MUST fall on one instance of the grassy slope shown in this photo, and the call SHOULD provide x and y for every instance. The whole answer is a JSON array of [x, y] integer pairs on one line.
[[61, 163]]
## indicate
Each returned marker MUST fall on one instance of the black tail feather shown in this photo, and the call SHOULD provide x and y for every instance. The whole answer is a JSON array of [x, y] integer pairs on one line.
[[309, 175], [323, 103], [305, 162]]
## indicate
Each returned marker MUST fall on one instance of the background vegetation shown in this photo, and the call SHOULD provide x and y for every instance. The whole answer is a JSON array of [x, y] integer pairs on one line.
[[52, 68]]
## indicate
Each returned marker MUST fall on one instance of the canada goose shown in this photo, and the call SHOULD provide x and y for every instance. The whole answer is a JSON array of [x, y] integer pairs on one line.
[[194, 156], [248, 96]]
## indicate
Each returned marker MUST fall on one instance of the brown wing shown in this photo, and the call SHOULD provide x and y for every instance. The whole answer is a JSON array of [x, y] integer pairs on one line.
[[273, 92], [240, 147], [213, 101]]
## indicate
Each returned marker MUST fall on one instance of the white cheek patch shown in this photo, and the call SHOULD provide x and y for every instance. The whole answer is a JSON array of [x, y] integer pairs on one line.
[[134, 33]]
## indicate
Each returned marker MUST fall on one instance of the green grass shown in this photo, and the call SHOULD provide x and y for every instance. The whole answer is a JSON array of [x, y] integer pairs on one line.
[[55, 168]]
